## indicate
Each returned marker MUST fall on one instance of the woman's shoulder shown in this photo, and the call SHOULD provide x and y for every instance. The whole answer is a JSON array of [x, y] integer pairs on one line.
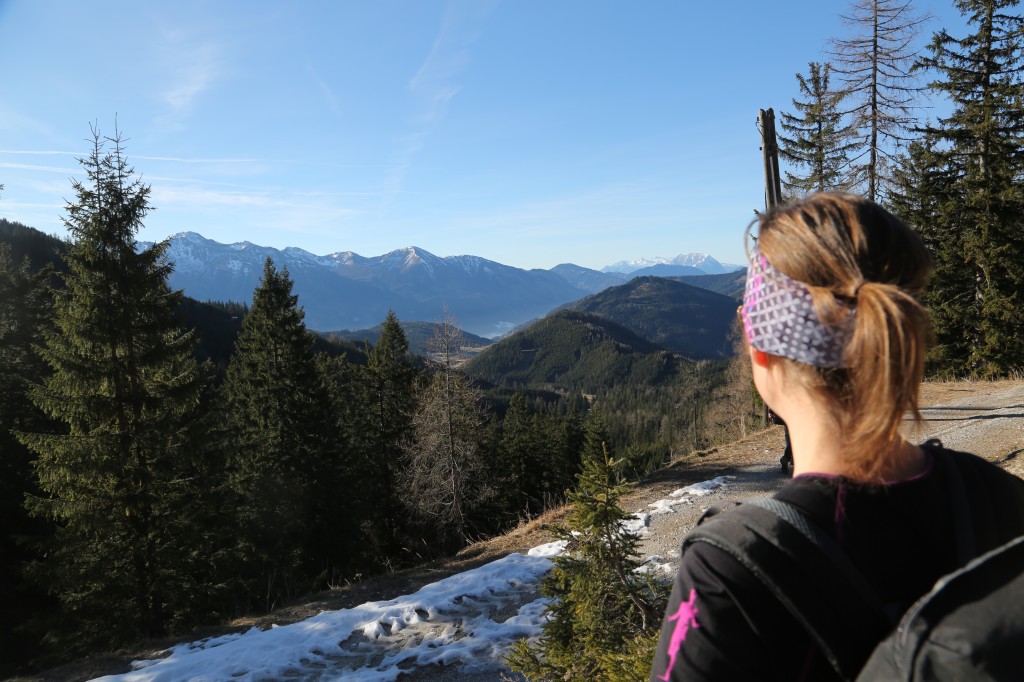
[[995, 497]]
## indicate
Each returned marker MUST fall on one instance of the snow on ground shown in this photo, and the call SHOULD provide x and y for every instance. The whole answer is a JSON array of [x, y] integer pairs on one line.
[[685, 495], [468, 620], [637, 524]]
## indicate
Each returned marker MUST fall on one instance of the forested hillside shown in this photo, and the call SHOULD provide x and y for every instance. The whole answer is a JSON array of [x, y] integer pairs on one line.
[[728, 284], [685, 319], [651, 399], [417, 333]]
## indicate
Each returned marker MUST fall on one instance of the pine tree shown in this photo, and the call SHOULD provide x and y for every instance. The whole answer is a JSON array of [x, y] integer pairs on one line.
[[977, 235], [604, 616], [817, 141], [875, 66], [124, 383], [276, 411]]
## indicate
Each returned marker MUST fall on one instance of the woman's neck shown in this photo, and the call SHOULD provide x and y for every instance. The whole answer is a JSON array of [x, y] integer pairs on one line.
[[819, 446]]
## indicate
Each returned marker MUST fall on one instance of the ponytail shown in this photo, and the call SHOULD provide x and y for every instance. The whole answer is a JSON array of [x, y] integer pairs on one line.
[[886, 365]]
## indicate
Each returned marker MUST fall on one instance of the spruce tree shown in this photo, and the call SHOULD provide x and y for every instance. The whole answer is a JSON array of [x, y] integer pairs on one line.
[[604, 615], [925, 197], [277, 416], [124, 384], [815, 139], [518, 455], [25, 311], [348, 508], [977, 234], [389, 383]]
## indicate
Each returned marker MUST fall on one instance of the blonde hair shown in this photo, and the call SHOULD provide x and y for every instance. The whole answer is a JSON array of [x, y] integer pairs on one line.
[[848, 250]]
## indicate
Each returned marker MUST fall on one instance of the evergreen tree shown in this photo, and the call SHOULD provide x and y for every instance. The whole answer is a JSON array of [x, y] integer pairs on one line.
[[277, 415], [875, 66], [570, 438], [348, 492], [977, 232], [604, 616], [25, 311], [925, 197], [390, 377], [817, 141], [124, 383], [519, 457]]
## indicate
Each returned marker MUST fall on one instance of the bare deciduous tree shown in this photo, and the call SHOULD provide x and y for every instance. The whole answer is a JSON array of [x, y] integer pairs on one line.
[[444, 466], [875, 66]]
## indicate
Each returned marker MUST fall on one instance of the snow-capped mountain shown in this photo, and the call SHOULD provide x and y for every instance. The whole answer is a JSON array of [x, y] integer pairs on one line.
[[698, 261], [347, 291]]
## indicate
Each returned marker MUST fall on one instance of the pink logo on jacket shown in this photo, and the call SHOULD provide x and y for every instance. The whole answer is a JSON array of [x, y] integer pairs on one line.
[[685, 618]]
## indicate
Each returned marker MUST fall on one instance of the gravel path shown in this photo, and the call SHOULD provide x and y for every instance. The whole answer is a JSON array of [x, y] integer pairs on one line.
[[986, 419]]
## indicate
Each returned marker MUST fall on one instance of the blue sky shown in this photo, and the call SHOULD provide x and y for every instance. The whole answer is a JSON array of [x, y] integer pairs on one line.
[[525, 131]]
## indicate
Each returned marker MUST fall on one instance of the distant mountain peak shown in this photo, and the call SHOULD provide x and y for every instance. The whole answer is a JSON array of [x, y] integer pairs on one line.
[[189, 236], [701, 261]]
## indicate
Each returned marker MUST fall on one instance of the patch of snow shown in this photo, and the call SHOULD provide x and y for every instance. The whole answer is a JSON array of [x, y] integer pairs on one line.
[[703, 488], [550, 549], [449, 622], [657, 566], [666, 506], [637, 523]]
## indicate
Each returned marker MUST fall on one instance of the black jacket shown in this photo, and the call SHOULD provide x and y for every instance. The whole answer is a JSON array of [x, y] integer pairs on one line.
[[722, 624]]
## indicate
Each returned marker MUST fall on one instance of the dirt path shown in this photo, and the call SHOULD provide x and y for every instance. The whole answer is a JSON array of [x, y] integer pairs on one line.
[[984, 418]]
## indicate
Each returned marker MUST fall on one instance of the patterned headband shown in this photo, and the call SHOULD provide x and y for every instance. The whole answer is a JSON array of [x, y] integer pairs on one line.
[[779, 318]]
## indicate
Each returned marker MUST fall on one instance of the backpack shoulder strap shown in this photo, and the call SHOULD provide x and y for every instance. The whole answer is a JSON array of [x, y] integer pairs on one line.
[[806, 571]]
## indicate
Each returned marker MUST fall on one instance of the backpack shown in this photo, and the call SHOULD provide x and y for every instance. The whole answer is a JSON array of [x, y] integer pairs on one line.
[[969, 627]]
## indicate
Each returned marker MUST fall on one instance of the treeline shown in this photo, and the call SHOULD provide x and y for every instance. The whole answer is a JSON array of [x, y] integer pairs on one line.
[[957, 179], [147, 488]]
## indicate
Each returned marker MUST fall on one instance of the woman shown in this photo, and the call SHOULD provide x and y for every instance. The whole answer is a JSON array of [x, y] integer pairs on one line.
[[836, 335]]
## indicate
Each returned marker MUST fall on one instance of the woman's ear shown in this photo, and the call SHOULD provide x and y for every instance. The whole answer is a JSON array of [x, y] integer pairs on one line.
[[759, 357]]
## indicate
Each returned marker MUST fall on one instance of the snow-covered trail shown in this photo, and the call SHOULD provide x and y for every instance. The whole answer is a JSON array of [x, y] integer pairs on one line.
[[469, 619]]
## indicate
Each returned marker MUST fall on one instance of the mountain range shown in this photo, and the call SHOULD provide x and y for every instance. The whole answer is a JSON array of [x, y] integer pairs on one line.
[[683, 264], [346, 291]]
